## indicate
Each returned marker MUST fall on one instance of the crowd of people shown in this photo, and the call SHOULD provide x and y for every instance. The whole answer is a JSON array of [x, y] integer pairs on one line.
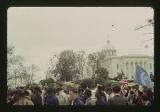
[[130, 95]]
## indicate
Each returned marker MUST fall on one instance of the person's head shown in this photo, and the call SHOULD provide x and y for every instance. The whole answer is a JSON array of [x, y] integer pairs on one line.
[[144, 88], [21, 87], [99, 93], [100, 88], [144, 99], [60, 85], [116, 90], [51, 91], [132, 92], [140, 93], [149, 93], [136, 86], [83, 86], [26, 93], [11, 92], [87, 94], [129, 88], [58, 90], [18, 94], [37, 90], [30, 92], [73, 93], [109, 91]]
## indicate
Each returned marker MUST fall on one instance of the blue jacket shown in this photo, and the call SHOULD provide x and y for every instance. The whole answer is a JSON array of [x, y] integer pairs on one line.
[[78, 101], [52, 100]]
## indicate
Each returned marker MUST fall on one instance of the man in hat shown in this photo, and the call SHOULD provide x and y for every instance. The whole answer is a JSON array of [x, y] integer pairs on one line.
[[87, 97], [82, 88], [62, 96], [117, 98], [109, 93], [51, 99], [101, 99], [36, 97], [20, 99], [145, 100]]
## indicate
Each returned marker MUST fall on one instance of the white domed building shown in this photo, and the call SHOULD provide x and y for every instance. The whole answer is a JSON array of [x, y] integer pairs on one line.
[[126, 63]]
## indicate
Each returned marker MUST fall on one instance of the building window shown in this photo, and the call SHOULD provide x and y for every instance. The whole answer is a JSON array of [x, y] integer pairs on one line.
[[117, 66], [150, 66]]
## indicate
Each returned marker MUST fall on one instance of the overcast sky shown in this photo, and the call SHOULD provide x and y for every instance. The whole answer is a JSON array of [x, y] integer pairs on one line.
[[39, 32]]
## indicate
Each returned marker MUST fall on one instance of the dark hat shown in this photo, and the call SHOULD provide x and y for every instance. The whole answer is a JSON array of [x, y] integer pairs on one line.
[[38, 89], [19, 92], [100, 87], [116, 89], [100, 92], [144, 97], [140, 92], [51, 90], [83, 85], [88, 92], [109, 89]]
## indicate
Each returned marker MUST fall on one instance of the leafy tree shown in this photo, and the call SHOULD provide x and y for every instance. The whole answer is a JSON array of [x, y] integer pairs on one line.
[[95, 60], [80, 65], [66, 65], [51, 71], [102, 73], [90, 83], [34, 68], [118, 77], [47, 81], [13, 63]]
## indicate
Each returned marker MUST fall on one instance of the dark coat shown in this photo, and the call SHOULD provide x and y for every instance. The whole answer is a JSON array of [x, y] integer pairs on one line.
[[78, 101], [101, 101], [52, 100], [11, 102], [137, 101], [36, 99], [81, 93], [118, 100]]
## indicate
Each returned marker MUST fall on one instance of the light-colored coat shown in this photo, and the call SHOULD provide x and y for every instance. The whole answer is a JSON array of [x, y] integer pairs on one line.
[[63, 98], [24, 101], [90, 101]]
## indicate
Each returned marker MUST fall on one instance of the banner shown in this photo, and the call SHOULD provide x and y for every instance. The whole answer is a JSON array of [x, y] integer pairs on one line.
[[142, 77]]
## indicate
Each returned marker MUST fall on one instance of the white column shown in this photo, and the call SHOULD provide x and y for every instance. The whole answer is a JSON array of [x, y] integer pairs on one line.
[[135, 66], [129, 70], [124, 68], [143, 64], [138, 63], [147, 66], [126, 64], [134, 70]]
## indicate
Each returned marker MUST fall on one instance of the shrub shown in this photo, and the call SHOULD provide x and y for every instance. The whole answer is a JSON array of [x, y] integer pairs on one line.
[[90, 83], [107, 83]]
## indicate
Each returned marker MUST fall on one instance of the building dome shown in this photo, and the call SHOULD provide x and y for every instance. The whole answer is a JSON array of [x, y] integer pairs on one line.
[[109, 49], [108, 46]]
